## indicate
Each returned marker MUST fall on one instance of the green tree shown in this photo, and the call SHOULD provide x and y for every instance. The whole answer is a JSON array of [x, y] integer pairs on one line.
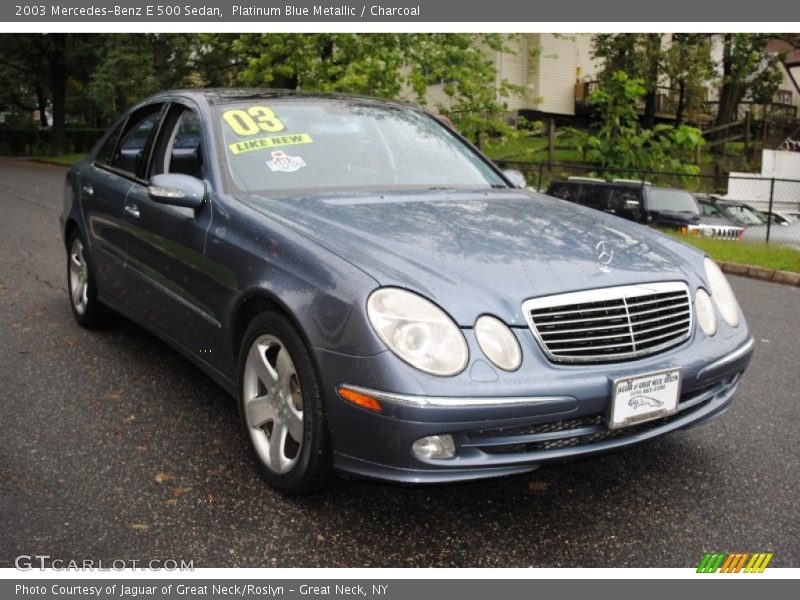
[[621, 143], [689, 67], [747, 72], [39, 69], [640, 55], [42, 61], [133, 66], [463, 64], [98, 76], [24, 78], [385, 65]]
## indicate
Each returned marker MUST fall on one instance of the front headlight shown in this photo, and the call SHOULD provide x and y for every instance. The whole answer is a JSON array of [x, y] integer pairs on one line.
[[418, 331], [722, 294], [706, 316], [498, 343]]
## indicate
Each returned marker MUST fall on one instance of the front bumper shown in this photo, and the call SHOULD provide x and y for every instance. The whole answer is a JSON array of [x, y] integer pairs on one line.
[[503, 435]]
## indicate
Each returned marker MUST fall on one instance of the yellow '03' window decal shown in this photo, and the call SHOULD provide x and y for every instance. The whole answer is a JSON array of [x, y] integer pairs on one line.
[[248, 122], [253, 120]]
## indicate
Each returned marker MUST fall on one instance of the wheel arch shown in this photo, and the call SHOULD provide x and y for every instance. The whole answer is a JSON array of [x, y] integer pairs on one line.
[[251, 305], [70, 227]]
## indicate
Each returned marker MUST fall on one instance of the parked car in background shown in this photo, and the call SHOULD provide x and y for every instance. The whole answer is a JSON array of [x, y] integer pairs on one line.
[[740, 213], [669, 208], [779, 235], [737, 213], [784, 230], [382, 300], [779, 218]]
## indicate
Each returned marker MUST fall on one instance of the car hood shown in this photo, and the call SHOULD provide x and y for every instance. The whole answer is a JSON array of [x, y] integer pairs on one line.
[[481, 252]]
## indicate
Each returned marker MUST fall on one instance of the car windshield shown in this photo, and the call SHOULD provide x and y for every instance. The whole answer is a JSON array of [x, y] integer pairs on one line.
[[312, 145], [677, 201], [742, 215], [709, 210]]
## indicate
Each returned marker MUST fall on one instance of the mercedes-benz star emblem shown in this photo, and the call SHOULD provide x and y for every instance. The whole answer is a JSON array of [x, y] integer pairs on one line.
[[604, 252]]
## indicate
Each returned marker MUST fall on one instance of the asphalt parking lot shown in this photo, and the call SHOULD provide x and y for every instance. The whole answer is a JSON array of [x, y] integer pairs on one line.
[[113, 446]]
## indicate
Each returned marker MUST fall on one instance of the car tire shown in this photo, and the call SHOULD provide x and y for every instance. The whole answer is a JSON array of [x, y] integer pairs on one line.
[[81, 285], [281, 408]]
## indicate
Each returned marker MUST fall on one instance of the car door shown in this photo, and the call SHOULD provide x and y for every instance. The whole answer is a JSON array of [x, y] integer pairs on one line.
[[102, 192], [593, 196], [165, 243], [624, 202]]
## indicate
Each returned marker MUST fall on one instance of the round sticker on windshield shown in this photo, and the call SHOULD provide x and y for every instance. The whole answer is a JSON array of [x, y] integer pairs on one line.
[[284, 163]]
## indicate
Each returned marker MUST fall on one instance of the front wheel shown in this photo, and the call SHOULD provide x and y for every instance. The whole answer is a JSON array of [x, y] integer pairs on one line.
[[82, 288], [280, 402]]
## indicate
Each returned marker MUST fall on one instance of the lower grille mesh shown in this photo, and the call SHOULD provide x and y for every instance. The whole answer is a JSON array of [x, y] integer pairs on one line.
[[580, 431]]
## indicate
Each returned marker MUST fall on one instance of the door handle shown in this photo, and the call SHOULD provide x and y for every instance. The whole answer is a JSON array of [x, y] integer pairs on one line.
[[132, 210], [88, 189]]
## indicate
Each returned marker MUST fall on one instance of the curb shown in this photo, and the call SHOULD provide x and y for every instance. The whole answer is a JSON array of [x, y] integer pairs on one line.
[[762, 273]]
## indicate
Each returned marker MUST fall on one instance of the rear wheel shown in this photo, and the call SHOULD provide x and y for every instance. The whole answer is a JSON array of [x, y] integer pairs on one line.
[[82, 288], [280, 402]]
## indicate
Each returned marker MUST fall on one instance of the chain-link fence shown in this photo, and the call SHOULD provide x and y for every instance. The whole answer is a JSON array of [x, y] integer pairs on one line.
[[768, 209]]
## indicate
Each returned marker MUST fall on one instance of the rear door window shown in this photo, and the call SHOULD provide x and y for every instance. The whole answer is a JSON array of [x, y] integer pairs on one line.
[[106, 153], [593, 196], [131, 153], [565, 191], [625, 203]]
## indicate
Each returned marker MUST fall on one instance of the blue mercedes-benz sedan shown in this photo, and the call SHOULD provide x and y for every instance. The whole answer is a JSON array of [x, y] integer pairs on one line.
[[383, 301]]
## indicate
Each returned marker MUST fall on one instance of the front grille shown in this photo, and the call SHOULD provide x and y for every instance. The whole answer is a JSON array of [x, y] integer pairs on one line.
[[611, 324], [582, 431], [721, 232]]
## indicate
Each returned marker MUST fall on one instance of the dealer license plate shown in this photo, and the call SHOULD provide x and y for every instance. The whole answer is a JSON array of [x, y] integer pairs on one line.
[[645, 397]]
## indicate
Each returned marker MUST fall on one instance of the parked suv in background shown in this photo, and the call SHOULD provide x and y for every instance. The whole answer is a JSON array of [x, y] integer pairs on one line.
[[645, 203]]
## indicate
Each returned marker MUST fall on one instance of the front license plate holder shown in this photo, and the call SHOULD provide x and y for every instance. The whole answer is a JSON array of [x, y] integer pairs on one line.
[[644, 397]]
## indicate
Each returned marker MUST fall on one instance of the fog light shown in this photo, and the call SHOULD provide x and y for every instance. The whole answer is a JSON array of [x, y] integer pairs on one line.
[[435, 446]]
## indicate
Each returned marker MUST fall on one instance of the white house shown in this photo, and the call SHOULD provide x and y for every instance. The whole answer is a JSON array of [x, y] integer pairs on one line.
[[546, 65], [553, 68]]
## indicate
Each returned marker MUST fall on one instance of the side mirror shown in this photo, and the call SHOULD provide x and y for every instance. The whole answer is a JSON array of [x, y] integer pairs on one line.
[[516, 178], [177, 189]]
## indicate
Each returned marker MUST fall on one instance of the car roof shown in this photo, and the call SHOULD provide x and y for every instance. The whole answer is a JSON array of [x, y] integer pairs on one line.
[[215, 96], [724, 202], [630, 184]]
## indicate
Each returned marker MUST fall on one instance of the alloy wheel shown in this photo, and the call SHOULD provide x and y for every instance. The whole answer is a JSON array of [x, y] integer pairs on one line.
[[273, 404], [78, 277]]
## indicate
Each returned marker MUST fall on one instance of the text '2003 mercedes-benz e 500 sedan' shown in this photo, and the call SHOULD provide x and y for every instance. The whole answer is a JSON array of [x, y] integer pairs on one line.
[[381, 299]]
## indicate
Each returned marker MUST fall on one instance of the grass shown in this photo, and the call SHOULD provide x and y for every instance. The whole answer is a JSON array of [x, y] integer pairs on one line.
[[780, 258], [63, 160]]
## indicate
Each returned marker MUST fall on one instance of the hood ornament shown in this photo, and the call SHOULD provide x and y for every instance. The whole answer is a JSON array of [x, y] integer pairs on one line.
[[604, 251]]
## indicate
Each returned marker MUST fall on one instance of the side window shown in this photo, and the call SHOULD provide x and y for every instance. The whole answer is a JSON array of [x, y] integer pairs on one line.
[[625, 203], [132, 148], [106, 152], [180, 147], [593, 196], [565, 191], [185, 149]]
